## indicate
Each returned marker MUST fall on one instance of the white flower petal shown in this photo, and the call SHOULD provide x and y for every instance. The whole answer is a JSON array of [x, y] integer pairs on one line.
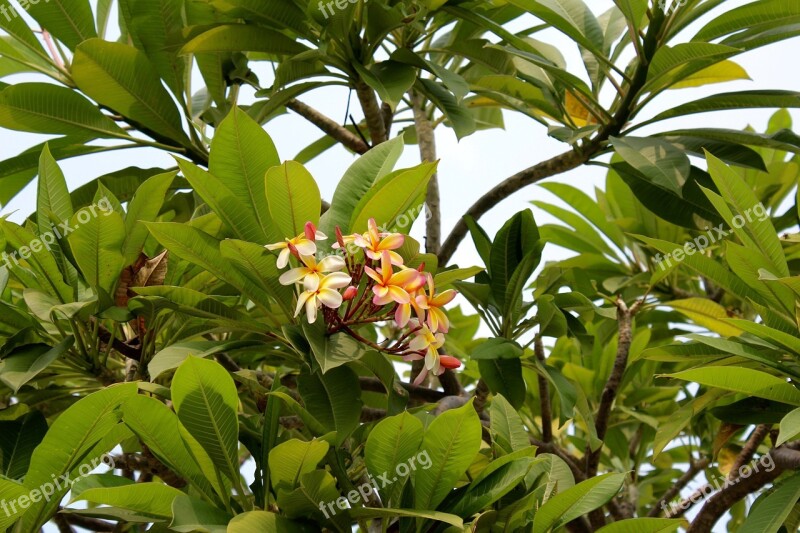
[[292, 276], [332, 263], [306, 247], [336, 280], [311, 309], [330, 298], [283, 258]]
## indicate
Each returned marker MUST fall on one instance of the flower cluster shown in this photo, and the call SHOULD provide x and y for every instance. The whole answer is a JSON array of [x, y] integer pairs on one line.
[[378, 287]]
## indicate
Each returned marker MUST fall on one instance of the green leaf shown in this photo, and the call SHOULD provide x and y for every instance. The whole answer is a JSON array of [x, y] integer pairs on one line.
[[243, 38], [227, 205], [69, 21], [158, 428], [121, 78], [773, 509], [190, 515], [293, 198], [153, 499], [42, 260], [394, 198], [789, 428], [446, 277], [744, 380], [10, 491], [391, 79], [356, 182], [205, 399], [766, 13], [571, 17], [706, 313], [334, 398], [458, 117], [736, 192], [517, 238], [18, 439], [73, 435], [731, 101], [393, 441], [577, 501], [144, 207], [451, 440], [497, 348], [671, 65], [97, 247], [241, 154], [504, 376], [53, 195], [155, 28], [508, 431], [201, 249], [371, 512], [659, 161], [49, 108], [25, 364], [289, 460], [263, 521], [643, 525]]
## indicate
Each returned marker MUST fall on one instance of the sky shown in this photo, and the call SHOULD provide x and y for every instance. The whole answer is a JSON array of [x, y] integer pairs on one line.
[[469, 167]]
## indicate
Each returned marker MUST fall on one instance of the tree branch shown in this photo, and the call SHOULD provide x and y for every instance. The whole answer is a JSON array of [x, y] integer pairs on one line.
[[329, 126], [718, 504], [560, 163], [625, 320], [695, 467], [372, 112], [86, 522], [544, 393], [427, 152]]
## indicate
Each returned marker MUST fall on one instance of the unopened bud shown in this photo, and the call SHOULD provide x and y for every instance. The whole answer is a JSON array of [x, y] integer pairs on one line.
[[311, 231], [350, 293], [449, 361]]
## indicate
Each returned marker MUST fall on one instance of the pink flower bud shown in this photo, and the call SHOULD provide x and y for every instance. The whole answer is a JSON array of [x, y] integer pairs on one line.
[[449, 361], [311, 231], [350, 293]]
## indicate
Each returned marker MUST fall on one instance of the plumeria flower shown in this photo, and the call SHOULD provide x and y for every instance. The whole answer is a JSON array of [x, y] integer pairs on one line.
[[311, 268], [375, 243], [428, 342], [403, 312], [303, 243], [433, 303], [321, 290], [391, 286]]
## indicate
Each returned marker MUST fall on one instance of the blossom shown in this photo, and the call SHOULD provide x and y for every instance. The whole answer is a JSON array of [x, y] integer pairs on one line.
[[303, 243], [389, 285], [321, 290], [433, 303], [427, 342], [403, 312], [376, 243], [311, 268]]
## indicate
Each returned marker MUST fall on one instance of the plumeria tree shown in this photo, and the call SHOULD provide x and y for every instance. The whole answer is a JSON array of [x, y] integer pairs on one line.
[[215, 347]]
